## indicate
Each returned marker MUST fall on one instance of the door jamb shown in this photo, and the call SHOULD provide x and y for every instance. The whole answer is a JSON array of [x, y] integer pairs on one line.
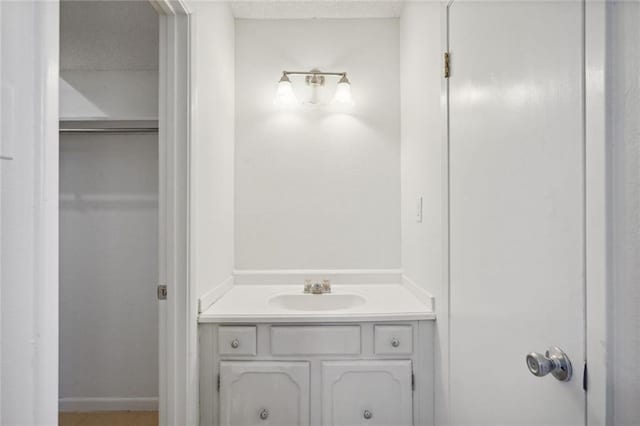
[[443, 394], [178, 362]]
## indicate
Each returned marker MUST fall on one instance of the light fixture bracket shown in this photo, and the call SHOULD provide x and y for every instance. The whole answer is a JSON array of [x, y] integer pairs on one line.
[[315, 78]]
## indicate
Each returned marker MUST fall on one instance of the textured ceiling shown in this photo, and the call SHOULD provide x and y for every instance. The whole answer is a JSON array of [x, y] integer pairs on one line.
[[108, 35], [304, 9]]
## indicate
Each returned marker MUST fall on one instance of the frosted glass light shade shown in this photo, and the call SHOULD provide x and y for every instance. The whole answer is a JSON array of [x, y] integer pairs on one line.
[[284, 95], [343, 94]]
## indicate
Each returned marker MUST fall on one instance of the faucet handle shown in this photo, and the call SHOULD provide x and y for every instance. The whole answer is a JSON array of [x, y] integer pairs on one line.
[[326, 286], [307, 286]]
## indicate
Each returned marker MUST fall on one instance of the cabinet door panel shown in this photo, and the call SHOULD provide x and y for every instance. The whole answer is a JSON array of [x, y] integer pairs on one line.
[[264, 393], [372, 393]]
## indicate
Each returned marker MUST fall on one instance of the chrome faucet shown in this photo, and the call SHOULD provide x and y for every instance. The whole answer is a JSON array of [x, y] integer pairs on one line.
[[317, 287]]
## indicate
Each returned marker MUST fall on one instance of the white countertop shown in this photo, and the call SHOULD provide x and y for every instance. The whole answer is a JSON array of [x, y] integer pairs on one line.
[[383, 302]]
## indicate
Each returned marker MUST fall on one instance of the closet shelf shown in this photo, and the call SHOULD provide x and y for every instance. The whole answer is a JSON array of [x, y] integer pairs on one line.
[[108, 126]]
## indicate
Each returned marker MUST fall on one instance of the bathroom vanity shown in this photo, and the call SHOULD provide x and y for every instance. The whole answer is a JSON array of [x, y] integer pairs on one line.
[[272, 355]]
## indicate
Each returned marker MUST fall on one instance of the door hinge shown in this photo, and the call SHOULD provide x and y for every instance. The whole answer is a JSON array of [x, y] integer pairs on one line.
[[585, 378], [218, 385], [413, 382], [447, 65], [162, 292]]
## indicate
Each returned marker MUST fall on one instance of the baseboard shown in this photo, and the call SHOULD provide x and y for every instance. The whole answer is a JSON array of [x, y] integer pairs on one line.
[[420, 293], [298, 276], [107, 404], [210, 297]]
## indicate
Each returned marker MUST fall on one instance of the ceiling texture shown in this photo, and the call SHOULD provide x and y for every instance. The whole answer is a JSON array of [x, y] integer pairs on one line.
[[326, 9]]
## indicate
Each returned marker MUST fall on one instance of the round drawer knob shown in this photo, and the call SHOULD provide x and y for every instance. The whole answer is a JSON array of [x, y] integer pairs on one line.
[[395, 342], [235, 343], [264, 414], [367, 414]]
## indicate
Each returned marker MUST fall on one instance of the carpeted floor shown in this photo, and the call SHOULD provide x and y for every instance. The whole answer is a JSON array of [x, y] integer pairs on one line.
[[109, 418]]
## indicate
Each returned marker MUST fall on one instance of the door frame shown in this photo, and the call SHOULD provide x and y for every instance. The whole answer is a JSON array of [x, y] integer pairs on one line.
[[30, 345], [178, 387], [178, 363], [596, 227]]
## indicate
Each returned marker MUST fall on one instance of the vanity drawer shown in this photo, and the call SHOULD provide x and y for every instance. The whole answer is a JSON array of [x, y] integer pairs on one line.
[[315, 340], [393, 339], [237, 340]]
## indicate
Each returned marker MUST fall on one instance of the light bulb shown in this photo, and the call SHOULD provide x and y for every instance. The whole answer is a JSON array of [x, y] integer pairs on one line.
[[284, 95], [343, 93]]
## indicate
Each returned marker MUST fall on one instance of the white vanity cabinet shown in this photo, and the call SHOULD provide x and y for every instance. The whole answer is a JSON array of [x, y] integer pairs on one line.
[[346, 374]]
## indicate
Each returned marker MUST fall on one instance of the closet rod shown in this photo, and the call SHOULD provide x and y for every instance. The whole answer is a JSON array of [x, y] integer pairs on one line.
[[109, 130]]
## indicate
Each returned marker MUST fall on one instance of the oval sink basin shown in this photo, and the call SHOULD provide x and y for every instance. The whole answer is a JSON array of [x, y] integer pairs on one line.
[[316, 302]]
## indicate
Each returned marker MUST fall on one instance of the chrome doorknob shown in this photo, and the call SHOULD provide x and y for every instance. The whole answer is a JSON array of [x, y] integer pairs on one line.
[[554, 361], [264, 414]]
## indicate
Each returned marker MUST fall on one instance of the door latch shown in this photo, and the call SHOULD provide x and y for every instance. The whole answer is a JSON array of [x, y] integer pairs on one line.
[[162, 292], [447, 65]]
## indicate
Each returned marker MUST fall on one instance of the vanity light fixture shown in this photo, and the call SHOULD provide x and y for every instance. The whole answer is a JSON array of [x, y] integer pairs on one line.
[[314, 78], [343, 92], [284, 95]]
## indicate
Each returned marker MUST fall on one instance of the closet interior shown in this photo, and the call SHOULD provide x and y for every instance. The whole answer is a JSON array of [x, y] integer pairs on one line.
[[108, 207]]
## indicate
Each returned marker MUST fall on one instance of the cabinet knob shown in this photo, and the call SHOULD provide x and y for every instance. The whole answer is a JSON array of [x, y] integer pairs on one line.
[[235, 343], [395, 342], [264, 414], [367, 414]]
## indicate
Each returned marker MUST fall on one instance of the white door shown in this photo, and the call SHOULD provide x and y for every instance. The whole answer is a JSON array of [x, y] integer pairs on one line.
[[264, 393], [372, 393], [516, 170]]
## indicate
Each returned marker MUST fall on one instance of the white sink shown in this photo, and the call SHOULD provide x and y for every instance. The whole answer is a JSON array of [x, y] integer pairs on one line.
[[316, 302]]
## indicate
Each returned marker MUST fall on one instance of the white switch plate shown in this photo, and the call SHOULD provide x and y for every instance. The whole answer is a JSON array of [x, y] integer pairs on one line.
[[419, 209]]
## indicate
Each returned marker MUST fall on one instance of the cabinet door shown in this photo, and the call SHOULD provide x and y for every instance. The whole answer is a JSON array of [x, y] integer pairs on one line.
[[372, 393], [264, 393]]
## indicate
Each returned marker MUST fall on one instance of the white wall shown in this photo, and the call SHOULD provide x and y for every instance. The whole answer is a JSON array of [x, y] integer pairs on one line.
[[108, 269], [624, 138], [317, 188], [422, 153], [109, 209], [422, 143], [29, 213], [212, 150]]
